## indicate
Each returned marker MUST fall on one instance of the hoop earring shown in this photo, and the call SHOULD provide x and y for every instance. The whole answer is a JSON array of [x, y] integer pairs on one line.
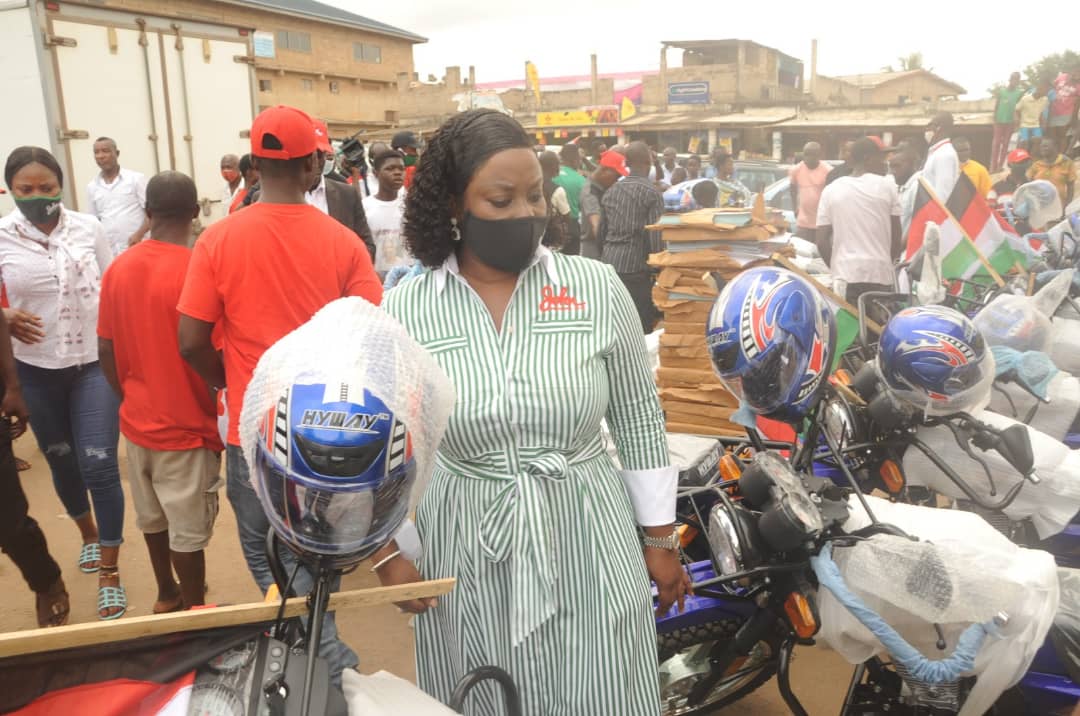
[[455, 232]]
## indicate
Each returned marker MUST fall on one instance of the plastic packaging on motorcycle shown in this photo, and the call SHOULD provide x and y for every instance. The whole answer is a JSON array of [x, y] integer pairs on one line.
[[1032, 595], [1050, 505]]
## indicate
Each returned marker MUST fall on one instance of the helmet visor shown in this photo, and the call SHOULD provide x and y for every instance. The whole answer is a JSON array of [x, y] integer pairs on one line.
[[767, 384]]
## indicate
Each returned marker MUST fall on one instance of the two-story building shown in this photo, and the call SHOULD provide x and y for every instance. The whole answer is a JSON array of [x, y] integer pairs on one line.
[[333, 64]]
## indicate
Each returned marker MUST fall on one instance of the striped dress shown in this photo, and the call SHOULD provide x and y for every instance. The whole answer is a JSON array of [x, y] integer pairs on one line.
[[525, 508]]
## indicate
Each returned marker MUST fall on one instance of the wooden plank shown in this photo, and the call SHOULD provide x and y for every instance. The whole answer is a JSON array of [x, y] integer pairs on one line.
[[33, 641]]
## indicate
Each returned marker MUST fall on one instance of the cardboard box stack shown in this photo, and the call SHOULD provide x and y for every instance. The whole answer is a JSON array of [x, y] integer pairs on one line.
[[702, 248]]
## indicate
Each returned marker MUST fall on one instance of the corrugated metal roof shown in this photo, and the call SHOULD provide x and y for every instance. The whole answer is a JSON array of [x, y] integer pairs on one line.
[[869, 80], [756, 117], [329, 13], [815, 120]]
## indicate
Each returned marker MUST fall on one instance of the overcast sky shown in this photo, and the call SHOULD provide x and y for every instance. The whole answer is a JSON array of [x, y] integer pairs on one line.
[[967, 43]]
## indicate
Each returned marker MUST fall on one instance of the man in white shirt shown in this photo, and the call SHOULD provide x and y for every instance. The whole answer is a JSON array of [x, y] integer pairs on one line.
[[942, 168], [340, 201], [670, 164], [859, 223], [904, 166], [117, 197], [230, 172], [385, 211]]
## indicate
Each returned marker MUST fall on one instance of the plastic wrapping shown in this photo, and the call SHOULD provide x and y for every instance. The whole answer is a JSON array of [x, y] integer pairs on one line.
[[351, 341], [383, 694], [968, 545], [1050, 504], [1065, 634], [1023, 322], [1053, 418], [1032, 370], [1065, 345], [930, 289], [1037, 201], [920, 577]]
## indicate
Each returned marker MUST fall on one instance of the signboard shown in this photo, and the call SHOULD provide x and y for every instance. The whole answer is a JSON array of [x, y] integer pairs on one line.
[[688, 92], [264, 44], [585, 117]]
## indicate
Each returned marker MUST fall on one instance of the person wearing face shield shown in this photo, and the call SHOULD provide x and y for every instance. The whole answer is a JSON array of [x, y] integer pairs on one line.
[[540, 346], [335, 198]]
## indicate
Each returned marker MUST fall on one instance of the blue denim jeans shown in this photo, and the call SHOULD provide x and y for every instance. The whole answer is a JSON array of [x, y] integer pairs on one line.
[[75, 417], [252, 524]]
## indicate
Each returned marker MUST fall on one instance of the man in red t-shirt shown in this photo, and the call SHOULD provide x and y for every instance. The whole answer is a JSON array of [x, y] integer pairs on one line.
[[261, 273], [166, 412]]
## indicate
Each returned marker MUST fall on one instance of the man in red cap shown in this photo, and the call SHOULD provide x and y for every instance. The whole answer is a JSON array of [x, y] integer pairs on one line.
[[612, 168], [339, 200], [260, 273], [1019, 161]]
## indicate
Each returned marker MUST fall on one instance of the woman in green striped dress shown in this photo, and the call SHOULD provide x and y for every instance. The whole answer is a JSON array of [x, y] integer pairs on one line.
[[525, 508]]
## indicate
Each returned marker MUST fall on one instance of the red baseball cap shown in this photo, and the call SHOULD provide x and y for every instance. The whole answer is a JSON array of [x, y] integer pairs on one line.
[[1018, 156], [880, 144], [282, 133], [322, 136], [615, 161]]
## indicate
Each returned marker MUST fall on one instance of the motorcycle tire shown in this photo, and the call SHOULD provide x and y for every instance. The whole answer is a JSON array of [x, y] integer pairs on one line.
[[673, 643]]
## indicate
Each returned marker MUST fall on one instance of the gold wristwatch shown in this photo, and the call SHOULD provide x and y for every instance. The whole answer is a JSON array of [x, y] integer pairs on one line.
[[671, 542]]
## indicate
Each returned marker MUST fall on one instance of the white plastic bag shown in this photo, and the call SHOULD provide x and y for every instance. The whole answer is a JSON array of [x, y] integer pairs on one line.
[[383, 694], [1065, 344], [1053, 418], [1031, 576]]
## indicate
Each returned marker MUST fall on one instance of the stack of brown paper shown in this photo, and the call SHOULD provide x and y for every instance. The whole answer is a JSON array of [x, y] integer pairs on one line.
[[700, 249]]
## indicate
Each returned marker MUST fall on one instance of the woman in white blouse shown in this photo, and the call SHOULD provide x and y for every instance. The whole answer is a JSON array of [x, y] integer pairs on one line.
[[51, 262]]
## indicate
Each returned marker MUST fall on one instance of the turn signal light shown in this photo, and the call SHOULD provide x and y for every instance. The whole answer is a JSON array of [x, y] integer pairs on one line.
[[801, 615], [686, 534], [729, 468], [891, 476]]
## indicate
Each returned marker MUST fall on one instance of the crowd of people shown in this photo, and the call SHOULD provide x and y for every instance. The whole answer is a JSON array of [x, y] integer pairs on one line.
[[124, 320]]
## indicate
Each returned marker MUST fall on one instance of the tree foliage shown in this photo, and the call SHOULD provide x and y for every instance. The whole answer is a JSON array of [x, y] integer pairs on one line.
[[910, 61], [1050, 66]]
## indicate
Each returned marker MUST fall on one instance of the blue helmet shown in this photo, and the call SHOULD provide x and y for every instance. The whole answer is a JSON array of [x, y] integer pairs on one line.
[[934, 358], [333, 470], [771, 337]]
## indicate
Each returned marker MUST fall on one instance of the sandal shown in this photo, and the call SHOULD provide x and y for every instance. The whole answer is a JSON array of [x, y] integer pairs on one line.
[[21, 465], [87, 555], [53, 607], [111, 597]]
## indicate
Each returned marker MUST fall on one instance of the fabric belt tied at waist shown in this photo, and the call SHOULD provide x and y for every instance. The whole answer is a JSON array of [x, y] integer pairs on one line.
[[518, 524]]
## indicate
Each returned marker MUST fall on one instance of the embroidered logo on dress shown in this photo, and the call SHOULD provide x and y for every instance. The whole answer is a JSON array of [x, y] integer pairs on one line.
[[562, 301]]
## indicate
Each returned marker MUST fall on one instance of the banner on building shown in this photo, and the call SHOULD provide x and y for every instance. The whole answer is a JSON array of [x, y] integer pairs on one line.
[[585, 117], [628, 108], [533, 77], [688, 92]]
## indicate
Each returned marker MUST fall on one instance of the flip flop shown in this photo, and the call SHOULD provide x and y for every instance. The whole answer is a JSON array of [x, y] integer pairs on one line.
[[53, 607], [90, 553]]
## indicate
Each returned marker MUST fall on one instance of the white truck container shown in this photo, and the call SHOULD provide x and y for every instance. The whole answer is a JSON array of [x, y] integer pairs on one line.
[[174, 94]]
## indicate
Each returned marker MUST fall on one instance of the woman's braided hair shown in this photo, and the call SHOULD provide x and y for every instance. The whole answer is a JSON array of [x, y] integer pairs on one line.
[[462, 144]]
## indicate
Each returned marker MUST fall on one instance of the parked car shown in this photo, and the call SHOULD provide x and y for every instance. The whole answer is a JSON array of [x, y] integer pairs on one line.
[[778, 196], [757, 174]]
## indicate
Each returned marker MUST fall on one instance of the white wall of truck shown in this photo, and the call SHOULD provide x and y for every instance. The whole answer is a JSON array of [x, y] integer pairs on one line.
[[174, 94]]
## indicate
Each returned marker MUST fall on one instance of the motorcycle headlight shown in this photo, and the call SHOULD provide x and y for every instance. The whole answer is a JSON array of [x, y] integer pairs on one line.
[[724, 541], [838, 422]]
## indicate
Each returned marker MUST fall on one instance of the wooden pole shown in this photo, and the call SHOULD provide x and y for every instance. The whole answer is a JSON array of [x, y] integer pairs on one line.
[[33, 641], [786, 263]]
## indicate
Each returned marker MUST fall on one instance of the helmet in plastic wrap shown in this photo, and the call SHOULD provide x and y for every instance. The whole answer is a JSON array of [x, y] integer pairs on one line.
[[340, 426], [934, 358], [771, 338], [333, 469], [1037, 201]]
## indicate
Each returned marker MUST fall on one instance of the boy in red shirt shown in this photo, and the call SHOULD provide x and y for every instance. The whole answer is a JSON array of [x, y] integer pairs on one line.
[[166, 412], [261, 273]]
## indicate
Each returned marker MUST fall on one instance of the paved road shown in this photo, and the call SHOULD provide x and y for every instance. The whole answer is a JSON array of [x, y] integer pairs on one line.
[[380, 635]]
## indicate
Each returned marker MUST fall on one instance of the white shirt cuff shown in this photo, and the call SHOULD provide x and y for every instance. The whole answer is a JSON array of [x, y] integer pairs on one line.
[[408, 540], [652, 493]]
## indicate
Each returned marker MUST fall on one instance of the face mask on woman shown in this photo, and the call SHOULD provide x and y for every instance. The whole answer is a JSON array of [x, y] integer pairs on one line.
[[504, 244], [39, 209]]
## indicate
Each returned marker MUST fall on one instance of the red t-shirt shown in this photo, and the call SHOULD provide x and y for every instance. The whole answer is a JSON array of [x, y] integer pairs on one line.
[[264, 271], [167, 406]]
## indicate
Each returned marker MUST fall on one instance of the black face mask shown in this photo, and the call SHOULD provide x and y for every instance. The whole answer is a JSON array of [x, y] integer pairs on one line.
[[39, 210], [504, 244]]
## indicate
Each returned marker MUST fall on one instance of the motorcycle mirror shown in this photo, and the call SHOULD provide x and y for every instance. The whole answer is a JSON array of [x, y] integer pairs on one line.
[[865, 382], [1015, 447]]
